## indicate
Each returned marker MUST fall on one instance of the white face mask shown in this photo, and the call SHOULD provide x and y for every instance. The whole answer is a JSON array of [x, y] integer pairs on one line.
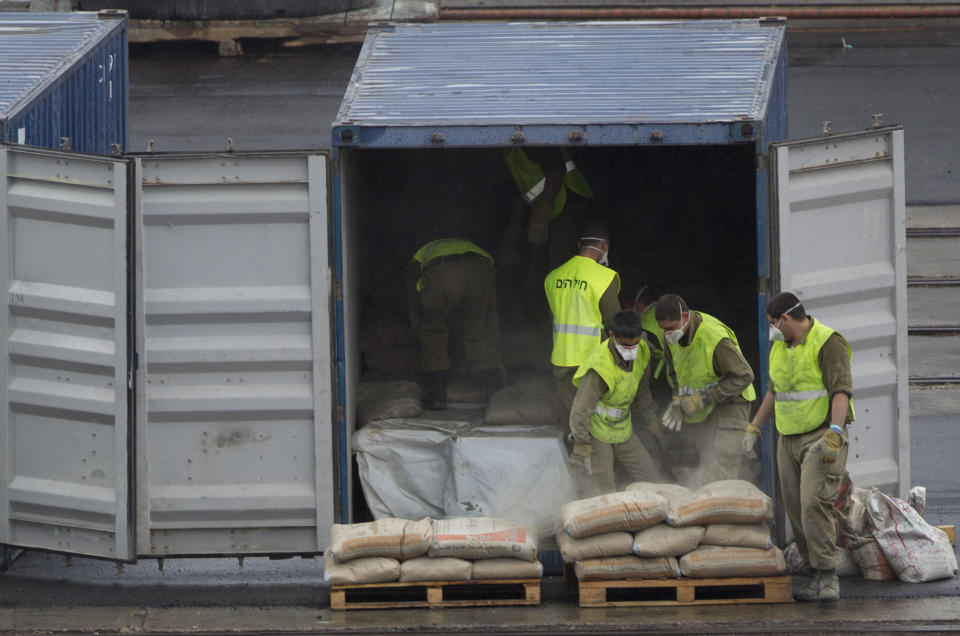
[[775, 333], [604, 260], [675, 335], [626, 353]]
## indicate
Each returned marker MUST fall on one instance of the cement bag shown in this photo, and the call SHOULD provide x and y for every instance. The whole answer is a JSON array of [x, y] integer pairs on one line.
[[670, 492], [442, 569], [664, 540], [866, 553], [627, 567], [710, 561], [363, 570], [532, 402], [385, 400], [599, 545], [727, 501], [917, 551], [630, 511], [485, 569], [740, 535], [847, 567], [391, 538], [482, 538]]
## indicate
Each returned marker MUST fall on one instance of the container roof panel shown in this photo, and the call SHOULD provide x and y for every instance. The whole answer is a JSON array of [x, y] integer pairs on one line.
[[36, 47], [561, 72]]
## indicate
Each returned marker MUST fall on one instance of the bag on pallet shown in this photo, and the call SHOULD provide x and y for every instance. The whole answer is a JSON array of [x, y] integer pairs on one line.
[[724, 561], [627, 567], [629, 511], [532, 402], [442, 569], [362, 570], [390, 538], [385, 400], [485, 569], [670, 492], [726, 501], [482, 538], [599, 545], [740, 535], [663, 540], [917, 551]]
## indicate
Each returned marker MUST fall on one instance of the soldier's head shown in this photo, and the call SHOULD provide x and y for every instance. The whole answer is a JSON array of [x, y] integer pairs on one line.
[[673, 316], [594, 242], [626, 329], [643, 298], [787, 317]]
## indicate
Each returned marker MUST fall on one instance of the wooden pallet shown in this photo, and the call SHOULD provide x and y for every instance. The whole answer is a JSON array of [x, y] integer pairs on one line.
[[720, 591], [436, 594]]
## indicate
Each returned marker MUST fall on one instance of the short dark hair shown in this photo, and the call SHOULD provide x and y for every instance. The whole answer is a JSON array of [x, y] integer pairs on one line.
[[597, 230], [644, 294], [670, 307], [626, 324], [783, 301]]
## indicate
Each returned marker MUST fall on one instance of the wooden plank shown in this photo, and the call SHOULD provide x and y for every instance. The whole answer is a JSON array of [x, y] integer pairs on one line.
[[715, 591], [434, 594]]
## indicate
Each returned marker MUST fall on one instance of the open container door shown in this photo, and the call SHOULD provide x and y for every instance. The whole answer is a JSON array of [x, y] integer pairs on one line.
[[64, 377], [234, 411], [840, 229]]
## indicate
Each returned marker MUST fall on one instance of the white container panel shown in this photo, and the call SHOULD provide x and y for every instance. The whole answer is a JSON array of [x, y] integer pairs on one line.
[[236, 435], [64, 373], [841, 222]]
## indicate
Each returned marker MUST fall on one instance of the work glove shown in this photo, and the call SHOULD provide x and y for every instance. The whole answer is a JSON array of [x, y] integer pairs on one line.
[[690, 404], [750, 438], [538, 230], [579, 461], [672, 418], [830, 444]]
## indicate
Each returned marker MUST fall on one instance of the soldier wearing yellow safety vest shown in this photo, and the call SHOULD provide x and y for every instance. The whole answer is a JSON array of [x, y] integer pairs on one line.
[[612, 381], [809, 395], [714, 388], [583, 295], [450, 278], [645, 305]]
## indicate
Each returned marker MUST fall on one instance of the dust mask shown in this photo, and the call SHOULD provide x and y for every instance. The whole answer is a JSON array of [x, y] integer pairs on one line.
[[604, 260], [627, 353], [675, 335], [775, 334]]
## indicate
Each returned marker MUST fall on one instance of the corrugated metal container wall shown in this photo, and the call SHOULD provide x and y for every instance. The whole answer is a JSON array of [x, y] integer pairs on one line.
[[64, 77]]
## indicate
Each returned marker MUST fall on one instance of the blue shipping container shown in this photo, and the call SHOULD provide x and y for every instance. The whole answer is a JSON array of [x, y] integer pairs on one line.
[[63, 80]]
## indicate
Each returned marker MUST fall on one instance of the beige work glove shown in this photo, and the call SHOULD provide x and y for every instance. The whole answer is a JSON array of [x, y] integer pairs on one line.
[[538, 229], [750, 439], [690, 404], [579, 461], [672, 418], [830, 445]]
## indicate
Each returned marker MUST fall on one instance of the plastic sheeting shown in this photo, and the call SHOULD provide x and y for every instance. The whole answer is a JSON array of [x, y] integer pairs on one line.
[[452, 465]]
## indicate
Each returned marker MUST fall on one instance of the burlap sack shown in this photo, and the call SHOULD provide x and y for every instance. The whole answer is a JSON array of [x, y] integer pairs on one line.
[[482, 538], [727, 501], [740, 535], [532, 402], [723, 561], [663, 540], [384, 400], [442, 569], [627, 567], [600, 545], [364, 570], [506, 569], [629, 511], [390, 538]]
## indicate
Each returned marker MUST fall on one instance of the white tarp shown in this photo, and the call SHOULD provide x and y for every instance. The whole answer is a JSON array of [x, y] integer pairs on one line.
[[412, 468]]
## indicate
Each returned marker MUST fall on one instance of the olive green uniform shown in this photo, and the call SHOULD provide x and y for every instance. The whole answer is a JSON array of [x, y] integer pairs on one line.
[[810, 486]]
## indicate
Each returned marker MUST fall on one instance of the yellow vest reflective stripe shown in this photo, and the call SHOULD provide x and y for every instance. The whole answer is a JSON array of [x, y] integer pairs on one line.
[[573, 292], [530, 178], [611, 422], [802, 402], [694, 363], [445, 247]]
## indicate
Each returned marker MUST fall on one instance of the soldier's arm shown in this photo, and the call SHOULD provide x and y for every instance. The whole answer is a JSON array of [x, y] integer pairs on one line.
[[734, 371], [591, 389]]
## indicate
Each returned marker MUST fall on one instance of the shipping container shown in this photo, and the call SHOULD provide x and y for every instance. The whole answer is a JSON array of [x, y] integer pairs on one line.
[[185, 334], [64, 80]]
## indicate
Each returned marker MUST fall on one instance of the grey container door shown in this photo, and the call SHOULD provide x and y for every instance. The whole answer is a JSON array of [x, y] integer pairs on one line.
[[64, 375], [841, 235], [235, 433]]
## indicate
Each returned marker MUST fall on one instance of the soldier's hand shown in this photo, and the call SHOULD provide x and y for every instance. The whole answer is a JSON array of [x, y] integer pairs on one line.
[[750, 439], [693, 403], [579, 462], [830, 444], [672, 418], [538, 229]]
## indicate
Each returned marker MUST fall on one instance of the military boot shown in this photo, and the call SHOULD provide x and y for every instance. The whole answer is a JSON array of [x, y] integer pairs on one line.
[[435, 390], [823, 585]]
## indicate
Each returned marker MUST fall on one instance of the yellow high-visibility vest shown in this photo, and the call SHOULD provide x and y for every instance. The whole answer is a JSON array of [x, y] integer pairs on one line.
[[611, 421], [573, 292]]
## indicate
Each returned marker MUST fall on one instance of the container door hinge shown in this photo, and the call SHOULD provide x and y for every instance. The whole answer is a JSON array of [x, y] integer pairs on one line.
[[337, 295], [764, 285], [339, 413], [335, 167], [762, 162]]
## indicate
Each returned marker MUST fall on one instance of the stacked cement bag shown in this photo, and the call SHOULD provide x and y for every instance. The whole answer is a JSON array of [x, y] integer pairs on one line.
[[597, 535], [531, 402], [736, 539], [465, 549], [386, 400]]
